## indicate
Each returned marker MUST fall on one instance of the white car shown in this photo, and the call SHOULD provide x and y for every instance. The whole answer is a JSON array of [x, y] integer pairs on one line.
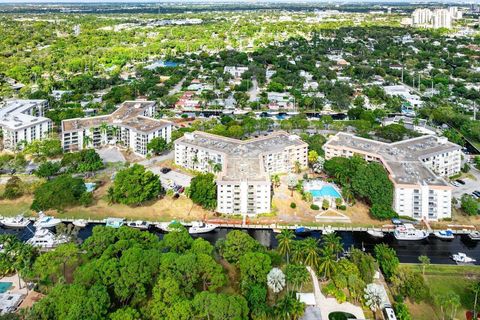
[[455, 184]]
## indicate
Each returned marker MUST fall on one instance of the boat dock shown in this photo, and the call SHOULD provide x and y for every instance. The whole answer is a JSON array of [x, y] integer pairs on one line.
[[456, 229]]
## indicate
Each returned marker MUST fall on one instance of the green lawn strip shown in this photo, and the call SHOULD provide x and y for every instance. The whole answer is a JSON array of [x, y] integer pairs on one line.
[[444, 278]]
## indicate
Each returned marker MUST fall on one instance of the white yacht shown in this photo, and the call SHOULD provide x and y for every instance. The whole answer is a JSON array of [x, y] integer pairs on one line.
[[44, 221], [444, 234], [139, 224], [201, 227], [375, 233], [462, 258], [408, 232], [44, 238], [474, 235], [15, 222], [80, 223]]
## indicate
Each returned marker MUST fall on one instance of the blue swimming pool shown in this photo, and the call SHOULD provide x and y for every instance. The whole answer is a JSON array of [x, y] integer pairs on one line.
[[4, 286], [326, 191]]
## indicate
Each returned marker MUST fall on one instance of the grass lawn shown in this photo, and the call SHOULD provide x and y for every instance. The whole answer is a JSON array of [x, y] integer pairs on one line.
[[442, 279]]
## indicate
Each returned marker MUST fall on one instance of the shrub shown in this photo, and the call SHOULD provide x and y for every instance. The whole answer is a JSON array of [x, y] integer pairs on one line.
[[86, 199], [314, 207], [13, 188], [293, 205], [342, 207], [58, 193]]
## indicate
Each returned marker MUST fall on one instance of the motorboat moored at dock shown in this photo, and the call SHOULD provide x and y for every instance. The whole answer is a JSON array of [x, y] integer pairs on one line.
[[17, 222], [409, 232]]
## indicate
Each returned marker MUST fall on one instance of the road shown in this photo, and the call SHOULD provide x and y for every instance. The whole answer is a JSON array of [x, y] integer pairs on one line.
[[176, 88], [253, 92]]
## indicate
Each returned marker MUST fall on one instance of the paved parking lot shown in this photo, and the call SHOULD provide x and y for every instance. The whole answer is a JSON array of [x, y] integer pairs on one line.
[[176, 177], [469, 186], [111, 154]]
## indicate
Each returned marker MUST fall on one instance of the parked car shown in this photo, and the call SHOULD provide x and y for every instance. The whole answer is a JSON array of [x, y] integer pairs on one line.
[[165, 170], [460, 181], [455, 184]]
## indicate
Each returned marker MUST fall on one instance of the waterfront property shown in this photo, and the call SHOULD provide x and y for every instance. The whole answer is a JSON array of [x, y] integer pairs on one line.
[[132, 126], [23, 121], [416, 168], [244, 167], [321, 190]]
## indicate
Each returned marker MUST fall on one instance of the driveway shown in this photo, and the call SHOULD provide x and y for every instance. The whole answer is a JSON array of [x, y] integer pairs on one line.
[[150, 162], [180, 179], [329, 305]]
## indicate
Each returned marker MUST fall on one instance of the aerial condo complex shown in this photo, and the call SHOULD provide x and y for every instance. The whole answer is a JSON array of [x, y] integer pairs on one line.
[[239, 160]]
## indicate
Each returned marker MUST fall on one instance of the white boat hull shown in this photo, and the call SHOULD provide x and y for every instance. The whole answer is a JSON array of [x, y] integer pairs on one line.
[[13, 225], [80, 223], [197, 230], [422, 236], [375, 233]]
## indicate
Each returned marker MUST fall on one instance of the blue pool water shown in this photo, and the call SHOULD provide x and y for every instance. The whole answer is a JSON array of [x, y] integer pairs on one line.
[[325, 191], [90, 186], [4, 286]]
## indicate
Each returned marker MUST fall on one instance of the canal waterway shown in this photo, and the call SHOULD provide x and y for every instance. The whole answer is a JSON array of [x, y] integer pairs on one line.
[[439, 251]]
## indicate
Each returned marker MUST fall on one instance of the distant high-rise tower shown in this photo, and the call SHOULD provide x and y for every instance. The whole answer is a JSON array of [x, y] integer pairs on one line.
[[441, 19]]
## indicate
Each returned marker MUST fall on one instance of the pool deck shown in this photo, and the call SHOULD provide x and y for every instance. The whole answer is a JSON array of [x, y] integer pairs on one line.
[[15, 284]]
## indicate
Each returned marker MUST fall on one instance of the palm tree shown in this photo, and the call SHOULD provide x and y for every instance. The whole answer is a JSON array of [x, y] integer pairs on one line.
[[275, 180], [285, 239], [333, 242], [475, 288], [310, 247], [87, 140], [298, 252], [210, 164], [425, 261], [327, 262], [217, 167], [292, 182], [103, 131]]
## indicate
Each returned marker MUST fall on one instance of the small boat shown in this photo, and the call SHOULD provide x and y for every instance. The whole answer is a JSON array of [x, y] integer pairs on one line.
[[408, 232], [114, 222], [201, 227], [44, 221], [396, 221], [302, 231], [15, 222], [444, 234], [166, 226], [328, 230], [44, 238], [474, 235], [462, 258], [80, 223], [139, 224], [375, 233]]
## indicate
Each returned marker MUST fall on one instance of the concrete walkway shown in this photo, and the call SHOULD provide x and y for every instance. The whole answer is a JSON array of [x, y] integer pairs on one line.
[[329, 305]]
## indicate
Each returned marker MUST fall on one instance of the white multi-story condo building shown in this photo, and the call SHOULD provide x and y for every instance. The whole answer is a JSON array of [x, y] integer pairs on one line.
[[416, 168], [438, 18], [421, 17], [132, 126], [244, 167], [23, 121]]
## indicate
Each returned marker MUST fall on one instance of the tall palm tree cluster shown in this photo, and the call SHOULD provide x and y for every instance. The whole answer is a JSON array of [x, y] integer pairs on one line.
[[15, 256], [308, 252]]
